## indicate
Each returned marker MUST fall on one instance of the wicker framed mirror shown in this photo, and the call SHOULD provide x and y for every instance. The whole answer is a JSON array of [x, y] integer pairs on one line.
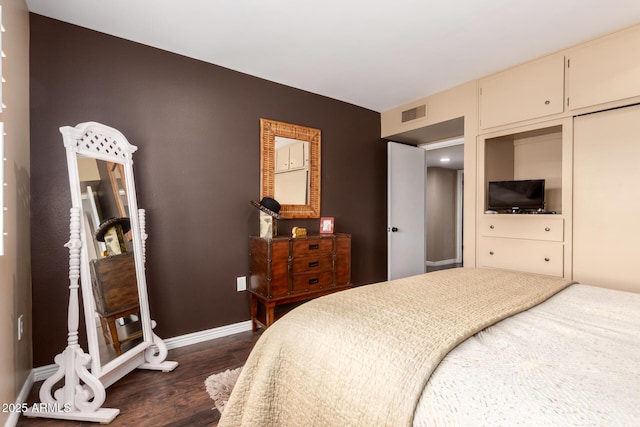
[[290, 167]]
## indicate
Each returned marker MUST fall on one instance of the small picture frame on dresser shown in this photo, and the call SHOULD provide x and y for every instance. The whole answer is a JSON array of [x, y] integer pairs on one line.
[[326, 225]]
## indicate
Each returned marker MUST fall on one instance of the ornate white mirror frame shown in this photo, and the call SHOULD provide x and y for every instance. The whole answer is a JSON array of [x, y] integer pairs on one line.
[[81, 393]]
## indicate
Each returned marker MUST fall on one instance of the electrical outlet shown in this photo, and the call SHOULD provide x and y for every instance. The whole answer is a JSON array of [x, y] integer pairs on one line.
[[241, 283], [20, 327]]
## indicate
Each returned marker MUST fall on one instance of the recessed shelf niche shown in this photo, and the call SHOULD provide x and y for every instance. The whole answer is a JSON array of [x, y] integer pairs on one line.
[[533, 154]]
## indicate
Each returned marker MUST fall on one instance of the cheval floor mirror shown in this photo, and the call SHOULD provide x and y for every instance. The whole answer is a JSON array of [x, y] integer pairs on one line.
[[107, 260]]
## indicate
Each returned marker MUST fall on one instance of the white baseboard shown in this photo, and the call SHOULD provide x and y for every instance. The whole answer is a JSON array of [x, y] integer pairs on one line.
[[439, 263], [41, 373], [209, 334], [14, 416]]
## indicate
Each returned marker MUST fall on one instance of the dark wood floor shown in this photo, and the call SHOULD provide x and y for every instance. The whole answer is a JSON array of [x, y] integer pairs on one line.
[[178, 398]]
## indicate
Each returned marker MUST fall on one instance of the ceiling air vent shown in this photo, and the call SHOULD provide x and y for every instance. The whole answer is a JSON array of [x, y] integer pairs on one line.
[[414, 113]]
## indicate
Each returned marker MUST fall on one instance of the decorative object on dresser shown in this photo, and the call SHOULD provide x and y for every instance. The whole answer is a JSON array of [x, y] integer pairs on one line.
[[287, 270], [269, 214], [298, 232], [326, 225]]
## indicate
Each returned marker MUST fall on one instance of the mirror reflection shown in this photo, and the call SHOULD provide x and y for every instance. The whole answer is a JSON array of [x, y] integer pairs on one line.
[[111, 259], [291, 186]]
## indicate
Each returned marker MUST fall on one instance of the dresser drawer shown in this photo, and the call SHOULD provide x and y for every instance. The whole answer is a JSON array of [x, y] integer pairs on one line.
[[530, 256], [308, 247], [311, 281], [535, 227], [312, 264]]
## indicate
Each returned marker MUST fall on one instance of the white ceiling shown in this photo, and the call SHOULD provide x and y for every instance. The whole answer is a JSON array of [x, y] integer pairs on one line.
[[376, 54]]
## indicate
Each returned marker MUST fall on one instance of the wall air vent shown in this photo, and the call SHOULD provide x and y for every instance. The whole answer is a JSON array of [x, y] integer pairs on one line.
[[414, 113]]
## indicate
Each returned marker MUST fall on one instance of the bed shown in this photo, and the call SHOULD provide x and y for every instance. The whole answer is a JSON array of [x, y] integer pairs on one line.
[[455, 347]]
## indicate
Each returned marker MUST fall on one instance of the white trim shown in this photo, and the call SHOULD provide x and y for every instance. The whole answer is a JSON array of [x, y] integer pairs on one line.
[[14, 416], [439, 263], [442, 144], [206, 335], [41, 373], [459, 214]]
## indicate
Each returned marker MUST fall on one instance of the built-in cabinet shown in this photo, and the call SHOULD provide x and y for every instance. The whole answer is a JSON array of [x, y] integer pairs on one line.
[[598, 74], [525, 92], [604, 70], [534, 242], [531, 243]]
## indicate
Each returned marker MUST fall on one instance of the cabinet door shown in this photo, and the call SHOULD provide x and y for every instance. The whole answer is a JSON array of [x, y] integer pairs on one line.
[[606, 206], [605, 70], [526, 92], [282, 159], [296, 155]]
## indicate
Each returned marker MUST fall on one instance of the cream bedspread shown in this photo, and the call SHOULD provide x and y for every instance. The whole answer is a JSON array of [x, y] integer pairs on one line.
[[573, 360], [364, 356]]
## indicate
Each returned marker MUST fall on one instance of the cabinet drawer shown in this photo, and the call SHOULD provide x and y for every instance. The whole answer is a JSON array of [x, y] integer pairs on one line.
[[307, 247], [311, 281], [312, 264], [535, 227], [523, 255]]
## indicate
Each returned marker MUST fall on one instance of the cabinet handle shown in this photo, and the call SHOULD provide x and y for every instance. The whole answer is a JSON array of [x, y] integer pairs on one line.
[[490, 252], [547, 229], [547, 102], [314, 246], [546, 259], [313, 281], [314, 263], [491, 227]]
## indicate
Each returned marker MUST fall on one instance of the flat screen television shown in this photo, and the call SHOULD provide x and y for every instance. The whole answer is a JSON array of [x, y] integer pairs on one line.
[[524, 195]]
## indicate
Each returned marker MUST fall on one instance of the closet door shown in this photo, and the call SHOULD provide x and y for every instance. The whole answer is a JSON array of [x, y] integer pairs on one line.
[[606, 246]]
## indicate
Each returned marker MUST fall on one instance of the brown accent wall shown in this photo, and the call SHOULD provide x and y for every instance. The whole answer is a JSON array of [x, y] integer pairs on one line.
[[196, 126]]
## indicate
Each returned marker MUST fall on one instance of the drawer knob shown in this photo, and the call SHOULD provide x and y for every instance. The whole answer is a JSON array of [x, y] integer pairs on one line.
[[547, 229], [546, 259], [547, 102], [490, 252], [491, 227]]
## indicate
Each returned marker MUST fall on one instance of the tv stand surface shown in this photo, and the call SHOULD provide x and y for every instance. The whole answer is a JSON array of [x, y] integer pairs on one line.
[[520, 212]]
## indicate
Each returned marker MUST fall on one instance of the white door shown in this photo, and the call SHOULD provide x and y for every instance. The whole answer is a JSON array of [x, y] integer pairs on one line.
[[406, 170]]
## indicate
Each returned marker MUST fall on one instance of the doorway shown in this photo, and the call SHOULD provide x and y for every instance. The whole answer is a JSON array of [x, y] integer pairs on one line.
[[439, 138], [444, 196]]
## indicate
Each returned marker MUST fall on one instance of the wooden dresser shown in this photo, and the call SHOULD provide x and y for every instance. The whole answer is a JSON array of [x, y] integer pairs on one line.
[[285, 270]]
